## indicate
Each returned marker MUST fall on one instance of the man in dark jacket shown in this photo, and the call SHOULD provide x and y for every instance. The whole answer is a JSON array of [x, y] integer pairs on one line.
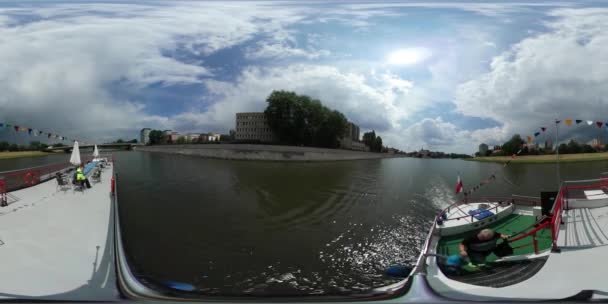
[[479, 246]]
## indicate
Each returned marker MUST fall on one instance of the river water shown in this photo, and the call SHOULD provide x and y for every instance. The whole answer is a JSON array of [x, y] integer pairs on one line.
[[246, 227]]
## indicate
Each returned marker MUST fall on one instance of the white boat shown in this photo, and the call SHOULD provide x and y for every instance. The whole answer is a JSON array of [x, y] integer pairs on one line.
[[470, 215]]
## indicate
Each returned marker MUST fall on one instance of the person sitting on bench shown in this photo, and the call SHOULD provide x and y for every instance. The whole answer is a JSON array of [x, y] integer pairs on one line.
[[81, 178]]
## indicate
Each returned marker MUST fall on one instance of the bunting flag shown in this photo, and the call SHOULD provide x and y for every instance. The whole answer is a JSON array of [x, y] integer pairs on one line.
[[529, 139], [23, 129], [536, 134], [16, 128], [589, 122], [568, 122], [49, 135], [599, 124], [578, 121], [8, 125], [1, 125], [29, 131], [557, 121], [543, 128]]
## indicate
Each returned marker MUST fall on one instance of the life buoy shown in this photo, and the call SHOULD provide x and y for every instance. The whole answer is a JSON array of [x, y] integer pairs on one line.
[[29, 179]]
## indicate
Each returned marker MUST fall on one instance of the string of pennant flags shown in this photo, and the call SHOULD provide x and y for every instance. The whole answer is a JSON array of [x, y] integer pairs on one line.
[[34, 132], [568, 122]]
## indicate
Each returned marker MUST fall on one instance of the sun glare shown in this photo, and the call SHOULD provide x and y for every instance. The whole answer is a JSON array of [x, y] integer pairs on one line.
[[407, 56]]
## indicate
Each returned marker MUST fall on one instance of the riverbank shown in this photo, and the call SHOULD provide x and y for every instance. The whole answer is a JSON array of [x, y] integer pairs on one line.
[[265, 152], [20, 154], [543, 159]]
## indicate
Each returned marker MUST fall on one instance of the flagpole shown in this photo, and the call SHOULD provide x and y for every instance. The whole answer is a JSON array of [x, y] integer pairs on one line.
[[557, 152]]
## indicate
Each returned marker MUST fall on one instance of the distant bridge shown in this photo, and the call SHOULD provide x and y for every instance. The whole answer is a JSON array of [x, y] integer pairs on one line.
[[67, 149]]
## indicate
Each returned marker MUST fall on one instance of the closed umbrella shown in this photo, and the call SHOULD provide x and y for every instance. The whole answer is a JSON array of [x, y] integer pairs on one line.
[[95, 152], [75, 158]]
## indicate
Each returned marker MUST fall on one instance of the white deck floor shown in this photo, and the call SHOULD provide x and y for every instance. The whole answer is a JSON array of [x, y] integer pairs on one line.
[[58, 244], [580, 265]]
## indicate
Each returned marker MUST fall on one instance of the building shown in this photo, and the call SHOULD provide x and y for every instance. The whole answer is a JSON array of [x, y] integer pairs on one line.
[[595, 142], [483, 149], [351, 140], [359, 146], [253, 126], [144, 136], [192, 137]]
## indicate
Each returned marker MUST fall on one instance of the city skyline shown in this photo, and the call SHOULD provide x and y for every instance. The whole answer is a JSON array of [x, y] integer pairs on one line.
[[444, 75]]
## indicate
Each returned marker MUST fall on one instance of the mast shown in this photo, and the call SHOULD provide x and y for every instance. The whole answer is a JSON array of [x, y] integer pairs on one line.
[[557, 152]]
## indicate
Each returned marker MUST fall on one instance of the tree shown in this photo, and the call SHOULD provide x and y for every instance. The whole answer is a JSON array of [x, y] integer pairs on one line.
[[224, 137], [13, 147], [232, 134], [301, 120], [132, 141], [587, 149], [181, 140], [155, 136], [4, 146], [378, 144], [369, 139], [512, 145], [119, 141], [34, 145], [563, 149], [574, 147]]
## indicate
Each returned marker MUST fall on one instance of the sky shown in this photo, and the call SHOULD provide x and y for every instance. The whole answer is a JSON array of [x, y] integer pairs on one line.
[[440, 75]]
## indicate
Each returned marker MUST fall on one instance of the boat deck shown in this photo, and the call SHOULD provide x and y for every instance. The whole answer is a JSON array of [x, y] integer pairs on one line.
[[579, 266], [510, 225], [58, 244]]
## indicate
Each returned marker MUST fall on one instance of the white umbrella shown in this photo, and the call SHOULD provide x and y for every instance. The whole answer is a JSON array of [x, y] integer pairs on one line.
[[95, 152], [75, 158]]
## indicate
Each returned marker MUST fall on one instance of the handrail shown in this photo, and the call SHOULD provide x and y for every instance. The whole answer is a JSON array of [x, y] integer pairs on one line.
[[542, 226], [556, 219]]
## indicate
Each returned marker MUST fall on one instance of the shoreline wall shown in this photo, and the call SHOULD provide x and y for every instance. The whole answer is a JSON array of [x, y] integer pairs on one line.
[[264, 152]]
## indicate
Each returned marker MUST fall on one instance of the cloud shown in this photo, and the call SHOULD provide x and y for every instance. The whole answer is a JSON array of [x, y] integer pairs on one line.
[[376, 101], [560, 73]]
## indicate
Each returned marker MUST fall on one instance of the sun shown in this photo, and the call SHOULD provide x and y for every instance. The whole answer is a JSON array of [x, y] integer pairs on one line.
[[407, 56]]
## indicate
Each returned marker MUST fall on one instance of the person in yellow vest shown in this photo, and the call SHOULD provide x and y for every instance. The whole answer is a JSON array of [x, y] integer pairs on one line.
[[81, 178]]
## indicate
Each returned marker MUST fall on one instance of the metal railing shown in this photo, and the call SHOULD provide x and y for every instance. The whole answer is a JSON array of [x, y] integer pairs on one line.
[[532, 233], [515, 200], [23, 178]]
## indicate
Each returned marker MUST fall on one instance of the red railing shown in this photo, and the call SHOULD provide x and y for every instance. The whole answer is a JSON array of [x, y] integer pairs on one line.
[[23, 178], [532, 233]]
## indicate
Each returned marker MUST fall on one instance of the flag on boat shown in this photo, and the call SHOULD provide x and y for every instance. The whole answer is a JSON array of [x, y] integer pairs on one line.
[[458, 185]]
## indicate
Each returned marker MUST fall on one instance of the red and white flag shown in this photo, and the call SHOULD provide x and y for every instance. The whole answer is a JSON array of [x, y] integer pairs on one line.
[[458, 185]]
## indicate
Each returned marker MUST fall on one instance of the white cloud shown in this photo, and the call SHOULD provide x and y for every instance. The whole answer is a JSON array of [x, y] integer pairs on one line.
[[374, 102], [561, 73]]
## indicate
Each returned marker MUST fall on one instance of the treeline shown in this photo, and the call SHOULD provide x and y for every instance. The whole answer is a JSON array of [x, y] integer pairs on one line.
[[300, 120], [373, 142], [33, 146], [517, 144]]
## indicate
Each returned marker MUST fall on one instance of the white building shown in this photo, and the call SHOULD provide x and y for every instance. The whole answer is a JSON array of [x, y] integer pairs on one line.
[[144, 136]]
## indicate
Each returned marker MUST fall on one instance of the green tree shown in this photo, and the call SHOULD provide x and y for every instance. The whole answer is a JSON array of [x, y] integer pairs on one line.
[[119, 141], [587, 149], [512, 145], [563, 149], [155, 137], [4, 146], [301, 120], [574, 147], [181, 140], [34, 146], [369, 139], [132, 141], [13, 147], [378, 144], [232, 134]]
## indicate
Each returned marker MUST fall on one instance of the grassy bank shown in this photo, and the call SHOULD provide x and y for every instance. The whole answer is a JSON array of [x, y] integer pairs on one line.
[[7, 155], [543, 159]]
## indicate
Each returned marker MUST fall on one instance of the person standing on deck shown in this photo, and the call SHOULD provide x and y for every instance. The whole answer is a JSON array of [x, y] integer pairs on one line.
[[480, 246], [81, 178]]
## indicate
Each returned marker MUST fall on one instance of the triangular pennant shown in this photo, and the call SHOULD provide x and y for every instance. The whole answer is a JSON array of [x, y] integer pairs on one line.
[[49, 135], [568, 122], [536, 134], [558, 121], [16, 128], [599, 124], [578, 121], [1, 125], [29, 131], [23, 129], [589, 122], [529, 139], [7, 125], [543, 128]]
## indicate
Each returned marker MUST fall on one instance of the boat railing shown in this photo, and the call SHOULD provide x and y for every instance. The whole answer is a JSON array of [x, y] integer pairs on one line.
[[532, 233], [22, 178]]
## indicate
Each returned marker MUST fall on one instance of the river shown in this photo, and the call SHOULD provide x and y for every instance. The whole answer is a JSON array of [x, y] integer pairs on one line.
[[234, 227]]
